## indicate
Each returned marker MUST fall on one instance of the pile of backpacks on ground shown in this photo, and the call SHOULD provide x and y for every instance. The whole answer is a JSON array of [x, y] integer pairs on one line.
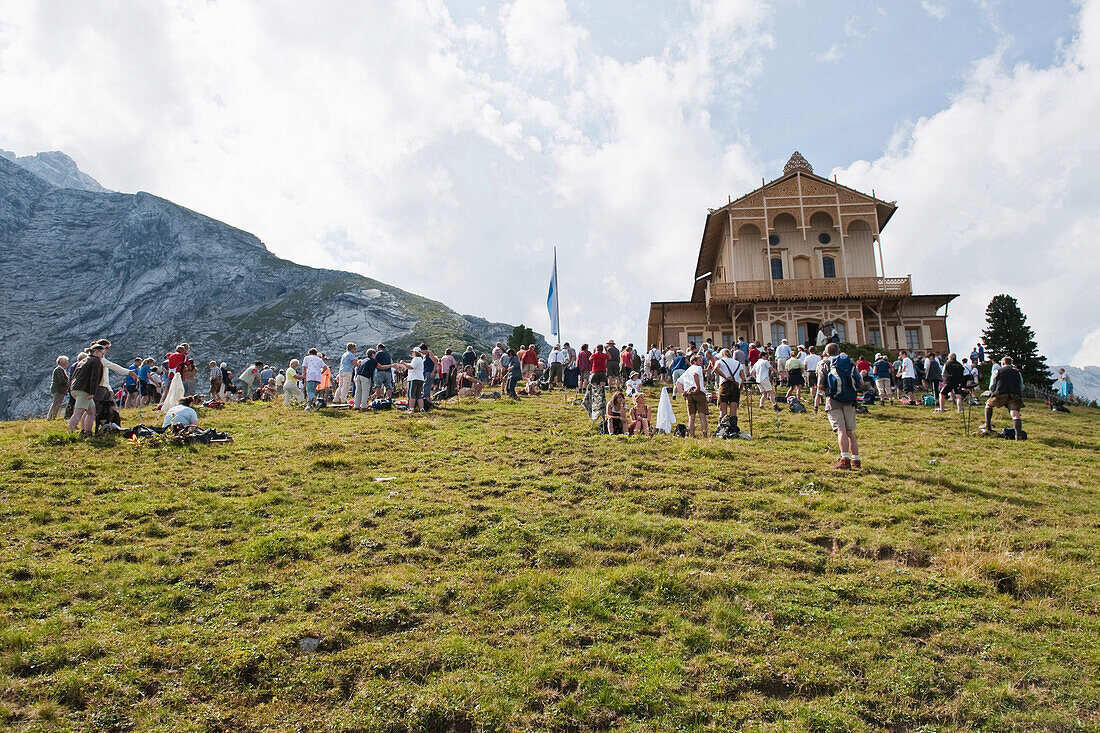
[[179, 434]]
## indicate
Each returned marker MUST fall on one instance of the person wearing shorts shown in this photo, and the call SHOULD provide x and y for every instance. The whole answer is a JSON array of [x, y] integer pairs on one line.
[[695, 395], [598, 361], [842, 415], [1007, 390], [730, 373], [795, 380]]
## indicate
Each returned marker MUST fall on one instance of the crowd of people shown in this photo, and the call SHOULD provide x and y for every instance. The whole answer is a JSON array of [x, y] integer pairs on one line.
[[700, 374]]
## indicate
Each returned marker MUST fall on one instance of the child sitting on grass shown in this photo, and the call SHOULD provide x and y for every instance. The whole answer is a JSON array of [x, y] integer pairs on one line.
[[639, 416]]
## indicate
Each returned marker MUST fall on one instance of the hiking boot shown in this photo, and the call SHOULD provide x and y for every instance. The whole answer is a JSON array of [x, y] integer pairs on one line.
[[985, 430], [843, 464], [856, 463]]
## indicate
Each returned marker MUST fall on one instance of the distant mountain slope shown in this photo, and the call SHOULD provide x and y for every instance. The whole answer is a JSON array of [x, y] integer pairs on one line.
[[147, 273], [1086, 380], [57, 168]]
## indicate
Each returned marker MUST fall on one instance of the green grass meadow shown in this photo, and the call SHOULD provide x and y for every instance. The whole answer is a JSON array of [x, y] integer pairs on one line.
[[514, 571]]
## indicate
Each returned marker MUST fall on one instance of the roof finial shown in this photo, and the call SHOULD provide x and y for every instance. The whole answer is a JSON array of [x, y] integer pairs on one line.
[[797, 163]]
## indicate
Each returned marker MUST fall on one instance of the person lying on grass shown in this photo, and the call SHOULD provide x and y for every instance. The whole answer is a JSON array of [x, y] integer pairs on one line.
[[182, 414]]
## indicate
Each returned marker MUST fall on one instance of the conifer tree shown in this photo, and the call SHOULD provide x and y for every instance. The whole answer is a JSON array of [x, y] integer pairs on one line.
[[521, 336], [1009, 335]]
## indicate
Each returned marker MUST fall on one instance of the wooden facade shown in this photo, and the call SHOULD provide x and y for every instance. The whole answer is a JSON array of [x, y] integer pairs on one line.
[[791, 256]]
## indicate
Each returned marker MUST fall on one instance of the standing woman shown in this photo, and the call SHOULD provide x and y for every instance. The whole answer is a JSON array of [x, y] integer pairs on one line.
[[515, 371], [86, 379]]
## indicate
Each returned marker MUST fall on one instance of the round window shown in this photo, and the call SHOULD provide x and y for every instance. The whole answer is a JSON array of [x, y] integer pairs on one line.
[[773, 239], [824, 238]]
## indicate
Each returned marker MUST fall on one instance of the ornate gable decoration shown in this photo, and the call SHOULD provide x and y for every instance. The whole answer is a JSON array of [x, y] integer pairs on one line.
[[797, 163]]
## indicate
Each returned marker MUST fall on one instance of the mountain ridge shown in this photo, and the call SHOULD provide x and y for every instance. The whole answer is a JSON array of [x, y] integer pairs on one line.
[[148, 273]]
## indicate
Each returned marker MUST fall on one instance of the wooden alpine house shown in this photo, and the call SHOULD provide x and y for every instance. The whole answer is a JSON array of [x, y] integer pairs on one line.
[[795, 257]]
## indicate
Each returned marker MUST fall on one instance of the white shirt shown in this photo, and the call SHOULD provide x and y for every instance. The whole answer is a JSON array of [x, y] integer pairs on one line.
[[181, 415], [908, 371], [655, 355], [762, 370], [783, 351], [811, 361], [557, 356], [687, 379], [108, 367], [731, 366], [416, 369], [633, 386], [313, 366]]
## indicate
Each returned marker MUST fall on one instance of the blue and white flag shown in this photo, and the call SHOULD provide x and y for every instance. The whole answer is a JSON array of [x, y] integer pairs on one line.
[[552, 297]]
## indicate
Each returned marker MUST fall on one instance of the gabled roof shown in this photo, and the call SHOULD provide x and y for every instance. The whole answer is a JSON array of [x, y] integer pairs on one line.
[[716, 218]]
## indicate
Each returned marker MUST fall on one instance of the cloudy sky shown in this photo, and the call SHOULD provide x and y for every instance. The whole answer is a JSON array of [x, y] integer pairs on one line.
[[446, 146]]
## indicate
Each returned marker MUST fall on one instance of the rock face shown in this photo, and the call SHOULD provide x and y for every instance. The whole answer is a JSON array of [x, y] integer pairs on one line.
[[1086, 380], [57, 168], [147, 274]]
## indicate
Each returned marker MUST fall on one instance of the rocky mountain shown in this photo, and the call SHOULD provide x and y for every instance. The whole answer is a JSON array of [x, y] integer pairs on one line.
[[80, 264], [57, 168], [1086, 381]]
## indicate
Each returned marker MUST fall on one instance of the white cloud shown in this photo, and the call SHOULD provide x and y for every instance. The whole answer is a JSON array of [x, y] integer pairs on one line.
[[1089, 353], [936, 10], [541, 37], [831, 55], [394, 141], [997, 193]]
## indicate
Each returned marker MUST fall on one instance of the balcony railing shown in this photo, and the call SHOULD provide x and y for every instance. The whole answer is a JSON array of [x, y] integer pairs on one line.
[[749, 291]]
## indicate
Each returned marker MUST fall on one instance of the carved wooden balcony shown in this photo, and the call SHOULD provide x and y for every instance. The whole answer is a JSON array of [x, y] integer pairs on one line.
[[751, 291]]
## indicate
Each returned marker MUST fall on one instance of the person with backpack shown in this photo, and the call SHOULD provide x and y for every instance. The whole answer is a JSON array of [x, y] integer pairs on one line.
[[841, 384], [1007, 390], [882, 370], [731, 375]]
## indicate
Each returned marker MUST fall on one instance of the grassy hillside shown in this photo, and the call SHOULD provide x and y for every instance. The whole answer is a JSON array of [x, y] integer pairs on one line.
[[520, 572]]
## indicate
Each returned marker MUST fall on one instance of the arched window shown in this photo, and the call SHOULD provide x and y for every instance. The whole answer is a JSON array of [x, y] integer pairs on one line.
[[828, 266], [777, 268]]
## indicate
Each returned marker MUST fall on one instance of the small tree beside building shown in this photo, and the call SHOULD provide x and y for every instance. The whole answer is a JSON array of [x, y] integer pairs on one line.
[[1009, 335]]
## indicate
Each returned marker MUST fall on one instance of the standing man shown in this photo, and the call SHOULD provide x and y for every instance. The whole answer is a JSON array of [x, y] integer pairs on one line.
[[344, 376], [810, 365], [313, 366], [613, 361], [364, 376], [881, 370], [530, 362], [731, 375], [557, 365], [59, 386], [654, 358], [954, 377], [782, 354], [840, 381], [1007, 391], [695, 394], [907, 373], [383, 372], [469, 357]]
